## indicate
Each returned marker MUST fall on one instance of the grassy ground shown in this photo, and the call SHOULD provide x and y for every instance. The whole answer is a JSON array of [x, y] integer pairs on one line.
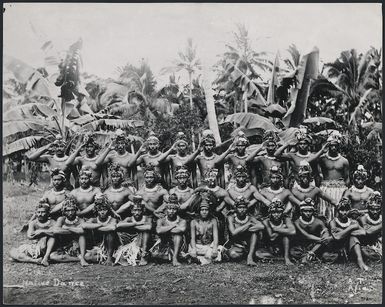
[[226, 283]]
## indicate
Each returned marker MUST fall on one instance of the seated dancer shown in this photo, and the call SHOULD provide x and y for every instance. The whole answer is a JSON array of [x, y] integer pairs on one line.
[[302, 143], [278, 235], [312, 237], [204, 236], [85, 194], [118, 195], [208, 159], [358, 193], [184, 192], [371, 242], [276, 190], [58, 160], [103, 226], [303, 189], [70, 236], [42, 239], [242, 187], [90, 160], [154, 158], [171, 230], [55, 196], [345, 232], [335, 174], [152, 192], [243, 230], [123, 158], [181, 158], [267, 160], [134, 233]]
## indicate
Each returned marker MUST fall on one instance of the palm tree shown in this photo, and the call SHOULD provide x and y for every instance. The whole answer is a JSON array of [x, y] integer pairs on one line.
[[239, 66], [189, 62], [356, 77]]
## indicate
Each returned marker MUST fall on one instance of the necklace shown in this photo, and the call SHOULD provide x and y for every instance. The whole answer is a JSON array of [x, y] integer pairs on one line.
[[304, 190], [89, 159], [241, 190], [243, 157], [363, 190], [154, 156], [302, 156], [155, 188], [280, 190], [307, 223], [43, 225], [271, 158], [182, 157], [58, 192], [184, 190], [208, 158], [60, 159], [373, 222], [117, 190], [343, 225], [174, 222], [242, 222], [216, 188], [272, 225], [332, 158], [67, 221], [105, 222], [86, 190]]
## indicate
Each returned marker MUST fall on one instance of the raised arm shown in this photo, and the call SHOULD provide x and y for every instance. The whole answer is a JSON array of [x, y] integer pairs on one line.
[[224, 155], [72, 157], [191, 158], [317, 155], [134, 160], [37, 155], [102, 157], [165, 155], [279, 153], [253, 154]]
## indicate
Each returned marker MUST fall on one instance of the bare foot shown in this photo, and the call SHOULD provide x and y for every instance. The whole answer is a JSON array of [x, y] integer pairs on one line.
[[288, 262], [251, 262], [45, 262], [364, 267], [39, 260], [176, 263], [83, 262], [143, 262]]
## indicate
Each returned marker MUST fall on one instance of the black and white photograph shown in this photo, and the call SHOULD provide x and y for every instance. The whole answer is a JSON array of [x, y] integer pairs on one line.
[[192, 153]]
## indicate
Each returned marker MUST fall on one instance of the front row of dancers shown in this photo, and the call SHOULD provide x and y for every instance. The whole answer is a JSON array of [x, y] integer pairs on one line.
[[89, 226]]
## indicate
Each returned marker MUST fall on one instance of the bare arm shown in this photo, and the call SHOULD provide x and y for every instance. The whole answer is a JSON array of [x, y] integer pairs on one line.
[[124, 207], [346, 173], [341, 234], [163, 229], [136, 156], [102, 157], [146, 226], [258, 196], [252, 155], [167, 153], [193, 235], [109, 227], [36, 156], [305, 233], [180, 228], [223, 156], [87, 210], [195, 154], [236, 231], [71, 159], [317, 155], [279, 153], [326, 197], [289, 230]]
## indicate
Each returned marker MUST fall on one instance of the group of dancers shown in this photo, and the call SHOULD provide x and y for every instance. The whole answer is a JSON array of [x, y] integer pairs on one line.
[[258, 203]]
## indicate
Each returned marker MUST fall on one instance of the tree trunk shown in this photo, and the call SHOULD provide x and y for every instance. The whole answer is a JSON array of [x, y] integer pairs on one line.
[[192, 108], [210, 104]]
